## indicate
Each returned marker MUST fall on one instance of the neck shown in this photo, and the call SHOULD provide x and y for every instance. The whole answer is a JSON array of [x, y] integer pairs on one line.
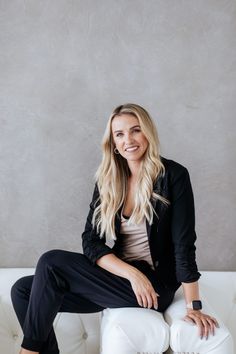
[[134, 167]]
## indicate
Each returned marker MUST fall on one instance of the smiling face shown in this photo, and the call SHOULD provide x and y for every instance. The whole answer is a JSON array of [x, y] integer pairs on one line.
[[126, 132]]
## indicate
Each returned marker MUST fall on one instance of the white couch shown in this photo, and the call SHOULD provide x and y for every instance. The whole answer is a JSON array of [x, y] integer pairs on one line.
[[132, 330]]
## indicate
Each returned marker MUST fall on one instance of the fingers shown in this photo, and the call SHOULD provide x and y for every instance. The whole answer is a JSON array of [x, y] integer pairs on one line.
[[155, 300], [139, 299], [142, 300], [211, 324], [151, 300], [144, 291], [189, 320], [206, 324], [205, 328], [200, 327], [215, 322], [148, 300]]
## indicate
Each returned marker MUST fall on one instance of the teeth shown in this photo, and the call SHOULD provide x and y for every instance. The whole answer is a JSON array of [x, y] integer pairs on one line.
[[132, 149]]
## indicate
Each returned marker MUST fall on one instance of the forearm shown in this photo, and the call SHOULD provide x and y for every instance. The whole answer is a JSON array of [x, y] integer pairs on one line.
[[195, 316], [191, 291], [116, 266]]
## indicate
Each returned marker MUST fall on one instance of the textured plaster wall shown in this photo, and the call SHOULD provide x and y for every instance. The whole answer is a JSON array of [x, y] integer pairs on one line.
[[65, 64]]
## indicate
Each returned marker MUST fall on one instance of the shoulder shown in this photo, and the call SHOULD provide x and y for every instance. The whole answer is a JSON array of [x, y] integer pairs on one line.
[[95, 196], [174, 170], [172, 165]]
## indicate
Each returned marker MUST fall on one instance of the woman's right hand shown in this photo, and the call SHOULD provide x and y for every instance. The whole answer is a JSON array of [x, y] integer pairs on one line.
[[143, 289]]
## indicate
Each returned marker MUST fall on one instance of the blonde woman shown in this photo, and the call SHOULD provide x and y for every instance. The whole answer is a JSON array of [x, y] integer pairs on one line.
[[142, 201]]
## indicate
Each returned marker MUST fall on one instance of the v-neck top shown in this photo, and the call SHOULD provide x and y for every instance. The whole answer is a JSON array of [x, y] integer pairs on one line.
[[132, 243]]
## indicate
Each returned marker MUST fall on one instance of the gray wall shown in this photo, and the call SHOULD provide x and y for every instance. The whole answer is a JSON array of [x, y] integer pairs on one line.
[[65, 65]]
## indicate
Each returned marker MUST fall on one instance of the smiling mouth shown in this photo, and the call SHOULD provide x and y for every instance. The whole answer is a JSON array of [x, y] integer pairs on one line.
[[132, 149]]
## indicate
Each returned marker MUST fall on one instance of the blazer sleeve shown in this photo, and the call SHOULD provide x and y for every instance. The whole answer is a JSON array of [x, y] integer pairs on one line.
[[183, 227], [93, 246]]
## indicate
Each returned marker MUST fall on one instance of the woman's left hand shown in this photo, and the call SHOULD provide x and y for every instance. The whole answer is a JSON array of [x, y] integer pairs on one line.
[[205, 323]]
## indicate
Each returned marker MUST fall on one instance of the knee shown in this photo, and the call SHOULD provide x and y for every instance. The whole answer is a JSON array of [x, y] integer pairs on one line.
[[151, 331], [184, 337], [50, 258], [19, 289], [57, 260]]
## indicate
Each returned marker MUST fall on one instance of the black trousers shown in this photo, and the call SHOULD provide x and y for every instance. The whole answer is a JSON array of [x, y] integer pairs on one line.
[[67, 282]]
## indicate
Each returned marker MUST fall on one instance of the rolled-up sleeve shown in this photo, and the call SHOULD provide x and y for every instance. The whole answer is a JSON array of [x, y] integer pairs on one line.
[[93, 246], [183, 227]]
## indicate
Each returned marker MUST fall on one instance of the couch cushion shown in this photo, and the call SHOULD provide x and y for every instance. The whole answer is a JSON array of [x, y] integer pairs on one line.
[[76, 333]]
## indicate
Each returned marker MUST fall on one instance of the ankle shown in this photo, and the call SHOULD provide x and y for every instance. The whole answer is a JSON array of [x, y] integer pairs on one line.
[[25, 351]]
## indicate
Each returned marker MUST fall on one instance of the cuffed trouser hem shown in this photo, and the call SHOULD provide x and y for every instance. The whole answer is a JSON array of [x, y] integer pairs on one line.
[[36, 346], [31, 344]]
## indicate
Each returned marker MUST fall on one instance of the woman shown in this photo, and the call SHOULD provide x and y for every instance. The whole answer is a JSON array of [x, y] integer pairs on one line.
[[142, 201]]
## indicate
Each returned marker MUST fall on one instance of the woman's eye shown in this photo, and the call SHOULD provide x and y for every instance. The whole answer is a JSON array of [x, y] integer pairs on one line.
[[135, 130]]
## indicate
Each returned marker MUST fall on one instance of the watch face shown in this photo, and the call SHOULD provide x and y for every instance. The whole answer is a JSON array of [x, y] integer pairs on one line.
[[197, 305]]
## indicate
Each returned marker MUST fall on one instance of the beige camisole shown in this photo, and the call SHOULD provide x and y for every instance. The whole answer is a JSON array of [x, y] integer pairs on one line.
[[133, 241]]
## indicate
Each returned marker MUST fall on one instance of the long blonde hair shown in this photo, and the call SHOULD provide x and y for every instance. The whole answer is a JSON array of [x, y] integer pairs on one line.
[[112, 175]]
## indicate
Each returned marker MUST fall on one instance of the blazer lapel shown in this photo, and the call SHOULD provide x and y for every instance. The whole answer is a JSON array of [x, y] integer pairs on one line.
[[118, 221], [155, 204]]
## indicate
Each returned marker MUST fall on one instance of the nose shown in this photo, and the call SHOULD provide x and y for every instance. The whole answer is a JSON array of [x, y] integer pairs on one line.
[[128, 139]]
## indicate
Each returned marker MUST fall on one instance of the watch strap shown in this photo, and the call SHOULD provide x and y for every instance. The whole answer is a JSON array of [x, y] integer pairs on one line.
[[194, 305]]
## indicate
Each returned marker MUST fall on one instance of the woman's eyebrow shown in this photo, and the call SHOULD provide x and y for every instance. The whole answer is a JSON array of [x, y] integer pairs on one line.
[[129, 128]]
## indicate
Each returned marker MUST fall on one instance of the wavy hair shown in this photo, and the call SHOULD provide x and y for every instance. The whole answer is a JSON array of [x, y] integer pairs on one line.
[[112, 175]]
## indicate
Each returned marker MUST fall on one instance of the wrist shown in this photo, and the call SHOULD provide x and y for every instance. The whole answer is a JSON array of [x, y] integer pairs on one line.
[[194, 305], [132, 273], [193, 311]]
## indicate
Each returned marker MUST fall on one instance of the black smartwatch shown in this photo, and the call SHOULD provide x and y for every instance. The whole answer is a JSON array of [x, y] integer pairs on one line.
[[194, 305]]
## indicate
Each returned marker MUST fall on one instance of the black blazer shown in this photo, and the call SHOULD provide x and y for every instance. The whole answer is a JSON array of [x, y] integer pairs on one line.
[[171, 236]]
